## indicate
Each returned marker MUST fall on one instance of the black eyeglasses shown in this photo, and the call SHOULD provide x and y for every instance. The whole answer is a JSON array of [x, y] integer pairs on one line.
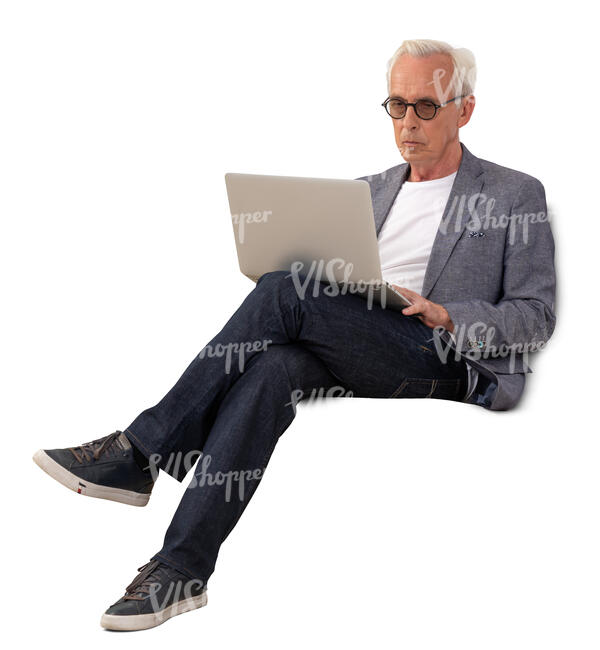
[[424, 108]]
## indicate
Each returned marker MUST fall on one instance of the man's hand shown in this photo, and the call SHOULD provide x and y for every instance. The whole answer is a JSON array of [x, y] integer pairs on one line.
[[428, 312]]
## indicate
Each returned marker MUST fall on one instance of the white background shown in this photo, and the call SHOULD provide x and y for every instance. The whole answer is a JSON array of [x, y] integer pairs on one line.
[[383, 523]]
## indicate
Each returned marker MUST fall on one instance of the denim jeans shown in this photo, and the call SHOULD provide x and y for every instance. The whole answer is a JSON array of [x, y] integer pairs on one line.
[[225, 414]]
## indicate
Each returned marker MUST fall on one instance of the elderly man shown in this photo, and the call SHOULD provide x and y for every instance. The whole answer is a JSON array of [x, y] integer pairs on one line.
[[467, 240]]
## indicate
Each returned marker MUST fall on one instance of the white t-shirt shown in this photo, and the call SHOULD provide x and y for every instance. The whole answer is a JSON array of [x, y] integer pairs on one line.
[[406, 238]]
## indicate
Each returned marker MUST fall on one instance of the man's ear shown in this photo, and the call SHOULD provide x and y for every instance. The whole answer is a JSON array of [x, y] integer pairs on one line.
[[466, 110]]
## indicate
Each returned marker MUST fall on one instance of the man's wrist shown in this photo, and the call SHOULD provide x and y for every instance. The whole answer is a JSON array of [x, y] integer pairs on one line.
[[448, 324]]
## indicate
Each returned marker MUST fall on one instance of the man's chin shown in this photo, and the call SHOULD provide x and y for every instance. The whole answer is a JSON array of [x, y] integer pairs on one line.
[[411, 155]]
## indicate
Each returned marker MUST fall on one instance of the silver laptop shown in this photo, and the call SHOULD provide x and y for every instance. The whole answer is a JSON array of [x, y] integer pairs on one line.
[[320, 228]]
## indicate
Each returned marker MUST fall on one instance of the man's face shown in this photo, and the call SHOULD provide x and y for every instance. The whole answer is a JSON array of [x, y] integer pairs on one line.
[[411, 78]]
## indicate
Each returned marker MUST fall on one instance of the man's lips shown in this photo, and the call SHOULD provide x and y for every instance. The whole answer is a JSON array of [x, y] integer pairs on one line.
[[410, 142]]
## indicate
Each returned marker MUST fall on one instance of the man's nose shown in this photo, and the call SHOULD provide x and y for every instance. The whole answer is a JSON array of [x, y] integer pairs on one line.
[[410, 120]]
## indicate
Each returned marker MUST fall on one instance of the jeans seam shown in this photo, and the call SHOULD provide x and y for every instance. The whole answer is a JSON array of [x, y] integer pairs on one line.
[[179, 567], [435, 383], [139, 443], [399, 389], [433, 386]]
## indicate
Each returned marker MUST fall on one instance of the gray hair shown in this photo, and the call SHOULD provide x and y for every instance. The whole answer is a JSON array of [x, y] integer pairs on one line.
[[465, 70]]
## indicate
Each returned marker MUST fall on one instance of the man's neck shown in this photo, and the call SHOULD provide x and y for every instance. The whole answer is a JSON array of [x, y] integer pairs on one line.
[[444, 166]]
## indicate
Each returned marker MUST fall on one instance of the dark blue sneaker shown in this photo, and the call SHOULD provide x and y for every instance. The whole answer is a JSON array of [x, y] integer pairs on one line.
[[107, 468], [156, 594]]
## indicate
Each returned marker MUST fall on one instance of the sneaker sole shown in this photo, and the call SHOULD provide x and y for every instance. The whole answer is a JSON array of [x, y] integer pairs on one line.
[[144, 621], [73, 482]]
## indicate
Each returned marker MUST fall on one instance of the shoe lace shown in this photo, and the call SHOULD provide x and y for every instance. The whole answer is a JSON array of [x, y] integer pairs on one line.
[[96, 448], [140, 587]]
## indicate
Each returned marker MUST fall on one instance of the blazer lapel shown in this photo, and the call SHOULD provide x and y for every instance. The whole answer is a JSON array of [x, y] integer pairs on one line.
[[383, 199], [465, 191]]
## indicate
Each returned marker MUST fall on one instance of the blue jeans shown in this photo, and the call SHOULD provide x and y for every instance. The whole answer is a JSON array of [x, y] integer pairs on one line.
[[239, 395]]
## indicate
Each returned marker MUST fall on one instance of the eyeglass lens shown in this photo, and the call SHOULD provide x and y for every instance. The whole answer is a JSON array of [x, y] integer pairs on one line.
[[424, 109]]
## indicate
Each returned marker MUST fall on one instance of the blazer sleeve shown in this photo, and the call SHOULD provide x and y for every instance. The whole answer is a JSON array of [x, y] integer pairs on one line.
[[524, 315]]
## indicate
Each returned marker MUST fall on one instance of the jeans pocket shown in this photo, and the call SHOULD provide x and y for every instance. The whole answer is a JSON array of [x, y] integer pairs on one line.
[[432, 388]]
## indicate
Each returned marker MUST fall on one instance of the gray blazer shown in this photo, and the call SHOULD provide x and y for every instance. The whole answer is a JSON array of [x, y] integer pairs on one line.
[[491, 267]]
